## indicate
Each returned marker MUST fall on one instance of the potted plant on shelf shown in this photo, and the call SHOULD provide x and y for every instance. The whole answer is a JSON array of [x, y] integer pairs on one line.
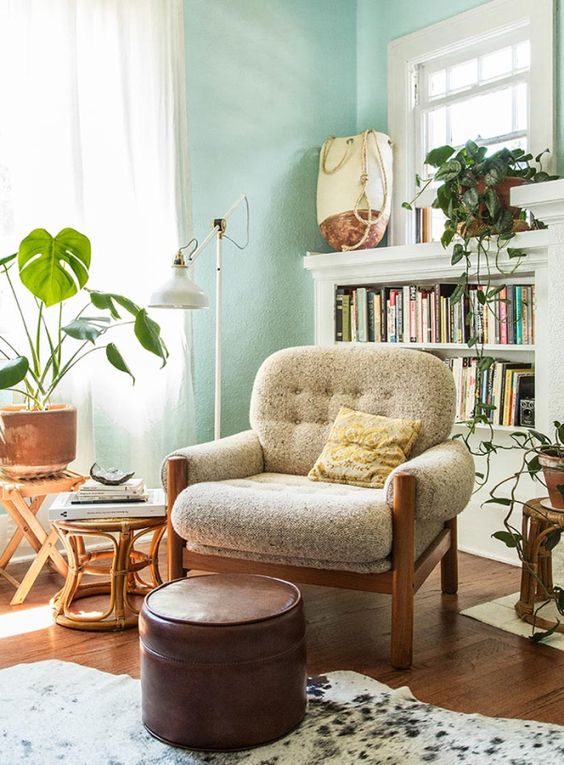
[[473, 192], [38, 438]]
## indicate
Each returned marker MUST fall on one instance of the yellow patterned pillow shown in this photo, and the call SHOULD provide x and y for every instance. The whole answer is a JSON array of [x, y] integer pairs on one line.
[[363, 449]]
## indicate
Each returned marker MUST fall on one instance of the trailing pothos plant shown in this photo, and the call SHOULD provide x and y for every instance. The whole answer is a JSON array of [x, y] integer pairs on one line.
[[53, 270], [534, 448], [472, 190]]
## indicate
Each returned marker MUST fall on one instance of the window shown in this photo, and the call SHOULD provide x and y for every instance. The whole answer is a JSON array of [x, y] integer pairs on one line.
[[495, 89]]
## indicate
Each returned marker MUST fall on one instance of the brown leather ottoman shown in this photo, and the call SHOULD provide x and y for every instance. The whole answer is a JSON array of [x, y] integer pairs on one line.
[[222, 661]]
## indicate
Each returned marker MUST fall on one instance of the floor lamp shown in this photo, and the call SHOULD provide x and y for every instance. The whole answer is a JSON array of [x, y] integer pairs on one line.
[[180, 291]]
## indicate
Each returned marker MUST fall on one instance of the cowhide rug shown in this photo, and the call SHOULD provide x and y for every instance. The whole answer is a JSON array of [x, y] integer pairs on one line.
[[58, 712]]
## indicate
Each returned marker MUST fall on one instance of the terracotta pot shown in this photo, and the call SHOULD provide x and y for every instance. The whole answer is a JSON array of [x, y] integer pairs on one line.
[[553, 469], [503, 188], [35, 444]]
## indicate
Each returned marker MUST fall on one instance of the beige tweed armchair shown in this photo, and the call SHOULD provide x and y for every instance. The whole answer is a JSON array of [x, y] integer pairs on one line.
[[244, 503]]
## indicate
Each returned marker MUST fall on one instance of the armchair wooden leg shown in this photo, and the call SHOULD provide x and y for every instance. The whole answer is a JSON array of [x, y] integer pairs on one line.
[[449, 562], [177, 481], [403, 553]]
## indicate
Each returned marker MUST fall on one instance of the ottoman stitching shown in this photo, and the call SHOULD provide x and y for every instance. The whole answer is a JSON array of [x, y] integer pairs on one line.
[[221, 663]]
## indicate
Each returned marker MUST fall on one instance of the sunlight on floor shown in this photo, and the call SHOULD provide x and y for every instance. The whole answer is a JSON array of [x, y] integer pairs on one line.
[[30, 620]]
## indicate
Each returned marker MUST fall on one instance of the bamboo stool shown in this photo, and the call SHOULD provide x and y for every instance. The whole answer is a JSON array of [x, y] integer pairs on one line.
[[536, 575], [123, 568], [13, 496]]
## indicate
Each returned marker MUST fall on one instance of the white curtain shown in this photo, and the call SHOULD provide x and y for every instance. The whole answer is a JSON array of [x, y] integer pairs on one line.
[[93, 135]]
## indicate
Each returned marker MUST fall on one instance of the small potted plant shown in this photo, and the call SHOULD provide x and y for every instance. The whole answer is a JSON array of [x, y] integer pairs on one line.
[[474, 189], [542, 460], [38, 438]]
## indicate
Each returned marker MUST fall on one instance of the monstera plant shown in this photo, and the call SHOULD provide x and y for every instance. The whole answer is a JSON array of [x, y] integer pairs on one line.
[[39, 437]]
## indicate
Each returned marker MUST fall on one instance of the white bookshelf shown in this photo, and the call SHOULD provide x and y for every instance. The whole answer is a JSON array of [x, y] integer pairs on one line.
[[429, 263]]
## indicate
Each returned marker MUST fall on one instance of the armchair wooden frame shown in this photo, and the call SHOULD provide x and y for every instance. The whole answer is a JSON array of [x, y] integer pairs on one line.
[[401, 582]]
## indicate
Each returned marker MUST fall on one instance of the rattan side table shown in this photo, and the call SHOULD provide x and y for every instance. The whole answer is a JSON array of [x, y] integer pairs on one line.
[[123, 566], [536, 576]]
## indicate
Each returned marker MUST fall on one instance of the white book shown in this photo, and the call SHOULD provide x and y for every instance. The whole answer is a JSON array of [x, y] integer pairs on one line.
[[134, 485], [63, 509], [362, 319]]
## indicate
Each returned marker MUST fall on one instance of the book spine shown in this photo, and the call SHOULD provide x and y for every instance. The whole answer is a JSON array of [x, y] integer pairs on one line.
[[347, 317], [371, 316], [503, 318], [339, 315], [362, 317], [399, 316], [511, 315], [384, 314], [413, 314], [406, 315], [518, 316], [354, 336], [378, 317], [392, 317]]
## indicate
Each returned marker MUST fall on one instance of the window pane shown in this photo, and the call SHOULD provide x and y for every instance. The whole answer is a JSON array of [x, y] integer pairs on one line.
[[496, 64], [521, 106], [523, 55], [515, 143], [437, 83], [436, 128], [463, 75], [481, 116]]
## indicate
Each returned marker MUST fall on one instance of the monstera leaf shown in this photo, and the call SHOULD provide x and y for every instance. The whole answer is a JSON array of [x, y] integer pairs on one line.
[[54, 268]]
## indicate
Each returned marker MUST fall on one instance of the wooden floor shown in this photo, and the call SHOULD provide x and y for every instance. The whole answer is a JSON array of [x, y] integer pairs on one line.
[[459, 663]]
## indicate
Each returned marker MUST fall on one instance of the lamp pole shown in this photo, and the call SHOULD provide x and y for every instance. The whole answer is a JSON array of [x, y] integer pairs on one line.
[[181, 292]]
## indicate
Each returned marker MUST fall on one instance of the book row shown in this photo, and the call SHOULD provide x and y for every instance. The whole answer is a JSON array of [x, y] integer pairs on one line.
[[506, 389], [430, 314]]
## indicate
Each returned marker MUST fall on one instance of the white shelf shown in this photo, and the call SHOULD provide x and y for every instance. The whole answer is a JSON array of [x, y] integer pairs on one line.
[[500, 348], [495, 428]]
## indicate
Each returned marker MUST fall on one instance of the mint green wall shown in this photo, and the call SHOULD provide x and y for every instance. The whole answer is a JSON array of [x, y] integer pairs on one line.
[[267, 81], [379, 21]]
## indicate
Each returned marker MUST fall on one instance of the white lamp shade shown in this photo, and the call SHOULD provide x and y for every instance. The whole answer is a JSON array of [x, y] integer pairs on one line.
[[179, 291]]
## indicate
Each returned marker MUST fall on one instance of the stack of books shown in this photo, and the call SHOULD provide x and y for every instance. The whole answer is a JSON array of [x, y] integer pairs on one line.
[[94, 500], [503, 386], [427, 314], [95, 492]]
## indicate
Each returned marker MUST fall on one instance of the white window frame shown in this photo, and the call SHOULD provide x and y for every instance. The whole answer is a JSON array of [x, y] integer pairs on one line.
[[493, 19]]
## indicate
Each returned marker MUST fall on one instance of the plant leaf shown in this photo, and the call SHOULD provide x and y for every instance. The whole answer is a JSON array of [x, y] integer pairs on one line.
[[148, 333], [81, 329], [509, 539], [106, 301], [552, 539], [13, 371], [54, 268], [438, 156], [8, 259], [116, 359], [470, 198], [448, 170], [498, 501], [536, 637], [406, 206]]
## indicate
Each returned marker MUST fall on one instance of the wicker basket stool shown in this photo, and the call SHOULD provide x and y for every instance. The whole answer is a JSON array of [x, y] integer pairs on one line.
[[222, 661]]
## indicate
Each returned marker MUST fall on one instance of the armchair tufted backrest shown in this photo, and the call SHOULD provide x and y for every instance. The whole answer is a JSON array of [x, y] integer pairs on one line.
[[298, 392]]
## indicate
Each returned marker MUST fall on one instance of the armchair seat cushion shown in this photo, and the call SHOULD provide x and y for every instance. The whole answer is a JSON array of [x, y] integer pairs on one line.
[[289, 519]]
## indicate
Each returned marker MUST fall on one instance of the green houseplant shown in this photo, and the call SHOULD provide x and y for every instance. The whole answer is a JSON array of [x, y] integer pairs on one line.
[[480, 223], [542, 460], [39, 437]]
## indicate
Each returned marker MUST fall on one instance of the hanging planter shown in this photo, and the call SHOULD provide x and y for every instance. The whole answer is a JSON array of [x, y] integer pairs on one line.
[[354, 190]]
